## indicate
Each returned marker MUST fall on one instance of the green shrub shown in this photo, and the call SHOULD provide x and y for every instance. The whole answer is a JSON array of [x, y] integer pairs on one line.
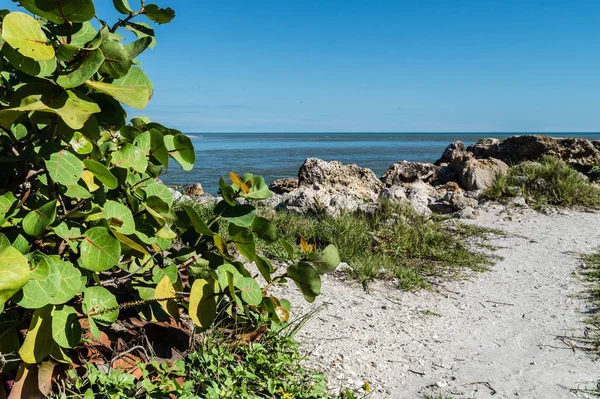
[[550, 181], [89, 236]]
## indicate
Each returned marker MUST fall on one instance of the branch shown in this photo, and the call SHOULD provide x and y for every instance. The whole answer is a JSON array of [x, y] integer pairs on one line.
[[123, 22]]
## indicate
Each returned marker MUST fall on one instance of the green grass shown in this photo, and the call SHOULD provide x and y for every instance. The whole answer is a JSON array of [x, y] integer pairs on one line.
[[395, 242], [550, 181]]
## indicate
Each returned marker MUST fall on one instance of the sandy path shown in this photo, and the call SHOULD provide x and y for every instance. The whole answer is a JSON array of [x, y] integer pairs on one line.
[[455, 341]]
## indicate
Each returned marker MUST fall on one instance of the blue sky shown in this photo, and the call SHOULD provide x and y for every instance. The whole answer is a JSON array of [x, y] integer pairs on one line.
[[368, 65]]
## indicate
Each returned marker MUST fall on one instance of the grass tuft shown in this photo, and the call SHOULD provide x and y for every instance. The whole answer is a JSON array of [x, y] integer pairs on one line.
[[550, 181]]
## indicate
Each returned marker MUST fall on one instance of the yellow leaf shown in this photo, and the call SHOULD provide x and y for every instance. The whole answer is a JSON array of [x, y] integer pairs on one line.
[[88, 178], [239, 182], [203, 302], [306, 247], [165, 290], [38, 342]]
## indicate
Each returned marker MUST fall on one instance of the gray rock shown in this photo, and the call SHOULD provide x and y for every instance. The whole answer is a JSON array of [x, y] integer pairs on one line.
[[459, 201], [418, 200], [407, 172], [467, 213], [477, 174], [452, 151], [285, 185], [442, 208], [395, 193], [517, 202], [193, 190]]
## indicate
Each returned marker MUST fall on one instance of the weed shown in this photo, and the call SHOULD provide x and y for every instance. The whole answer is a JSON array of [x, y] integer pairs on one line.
[[550, 181], [428, 312]]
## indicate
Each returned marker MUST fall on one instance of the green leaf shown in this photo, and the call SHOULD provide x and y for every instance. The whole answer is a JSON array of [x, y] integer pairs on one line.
[[38, 342], [43, 96], [81, 34], [159, 15], [83, 70], [129, 156], [181, 149], [133, 89], [307, 278], [250, 290], [264, 229], [102, 173], [137, 47], [243, 240], [53, 281], [241, 215], [259, 189], [28, 65], [203, 302], [66, 329], [157, 147], [119, 217], [264, 267], [14, 272], [37, 220], [66, 52], [325, 261], [21, 244], [116, 59], [24, 34], [99, 250], [61, 11], [64, 167], [227, 192], [288, 248], [81, 144], [100, 305], [8, 203], [161, 191], [197, 222], [122, 6], [141, 30]]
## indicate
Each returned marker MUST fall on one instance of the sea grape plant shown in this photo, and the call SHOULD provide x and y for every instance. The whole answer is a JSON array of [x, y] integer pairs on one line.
[[87, 230]]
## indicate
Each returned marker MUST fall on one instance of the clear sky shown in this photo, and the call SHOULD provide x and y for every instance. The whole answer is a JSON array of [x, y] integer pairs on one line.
[[369, 65]]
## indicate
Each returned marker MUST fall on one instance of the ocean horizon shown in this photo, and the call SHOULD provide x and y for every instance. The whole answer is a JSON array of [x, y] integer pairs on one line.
[[277, 155]]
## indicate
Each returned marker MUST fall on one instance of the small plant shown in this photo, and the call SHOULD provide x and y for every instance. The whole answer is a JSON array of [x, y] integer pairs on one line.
[[550, 181], [92, 248]]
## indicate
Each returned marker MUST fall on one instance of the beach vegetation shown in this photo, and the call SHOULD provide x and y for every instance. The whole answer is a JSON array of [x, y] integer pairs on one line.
[[97, 265], [548, 181]]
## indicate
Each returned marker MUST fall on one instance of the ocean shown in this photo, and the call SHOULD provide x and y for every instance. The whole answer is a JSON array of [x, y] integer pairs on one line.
[[277, 155]]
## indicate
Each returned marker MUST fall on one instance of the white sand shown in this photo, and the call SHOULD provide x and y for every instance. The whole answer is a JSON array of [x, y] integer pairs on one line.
[[475, 348]]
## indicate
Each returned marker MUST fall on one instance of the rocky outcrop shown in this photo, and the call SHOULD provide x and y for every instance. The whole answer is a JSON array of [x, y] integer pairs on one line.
[[408, 172], [332, 187], [285, 185], [574, 151], [193, 190], [454, 150], [477, 174]]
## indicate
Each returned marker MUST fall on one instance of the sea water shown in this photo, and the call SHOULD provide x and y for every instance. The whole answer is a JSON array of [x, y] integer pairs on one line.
[[277, 155]]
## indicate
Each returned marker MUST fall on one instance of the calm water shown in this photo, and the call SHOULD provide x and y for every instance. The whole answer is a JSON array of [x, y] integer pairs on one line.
[[276, 155]]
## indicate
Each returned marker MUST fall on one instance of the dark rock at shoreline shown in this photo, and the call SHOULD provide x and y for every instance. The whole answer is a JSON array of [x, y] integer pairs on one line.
[[454, 150], [574, 151], [193, 190], [285, 185]]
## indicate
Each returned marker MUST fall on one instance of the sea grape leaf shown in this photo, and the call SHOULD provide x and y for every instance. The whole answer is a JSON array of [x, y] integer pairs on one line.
[[21, 244], [241, 215], [61, 11], [119, 217], [203, 302], [53, 281], [116, 59], [138, 47], [37, 220], [288, 248], [264, 229], [81, 34], [99, 250], [264, 267], [24, 33], [181, 149], [131, 243], [8, 201], [14, 272], [250, 291], [64, 167], [161, 191], [133, 89], [66, 329], [83, 70], [157, 147], [28, 65], [46, 377], [164, 291], [100, 305], [81, 144], [243, 240], [259, 189], [38, 343], [129, 156], [122, 6], [88, 179], [141, 29], [325, 261], [102, 173], [197, 222], [159, 15], [307, 278]]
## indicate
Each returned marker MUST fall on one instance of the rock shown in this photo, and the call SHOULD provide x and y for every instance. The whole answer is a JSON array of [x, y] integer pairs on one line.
[[445, 174], [515, 149], [467, 213], [395, 193], [452, 151], [477, 174], [517, 202], [178, 196], [193, 190], [407, 172], [285, 185], [336, 176], [419, 200], [459, 201], [442, 208]]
